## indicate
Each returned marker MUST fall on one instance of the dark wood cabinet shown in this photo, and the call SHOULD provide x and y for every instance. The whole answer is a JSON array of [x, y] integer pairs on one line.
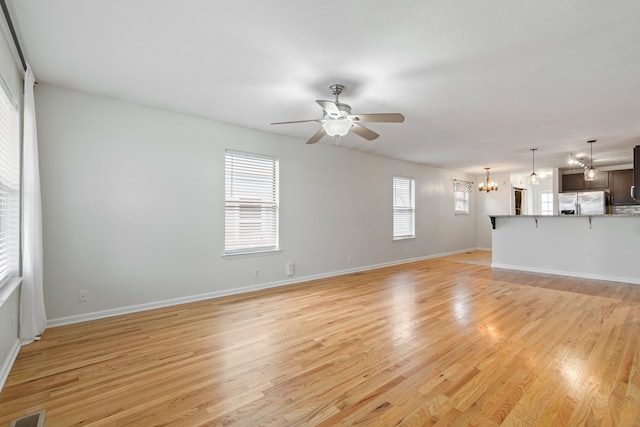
[[576, 182], [618, 183], [573, 182], [621, 182], [601, 182]]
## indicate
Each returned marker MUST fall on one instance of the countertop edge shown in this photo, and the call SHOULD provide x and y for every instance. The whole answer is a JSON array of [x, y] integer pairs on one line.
[[564, 216]]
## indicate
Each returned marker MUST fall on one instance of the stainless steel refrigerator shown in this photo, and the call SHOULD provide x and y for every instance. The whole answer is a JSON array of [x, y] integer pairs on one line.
[[583, 203]]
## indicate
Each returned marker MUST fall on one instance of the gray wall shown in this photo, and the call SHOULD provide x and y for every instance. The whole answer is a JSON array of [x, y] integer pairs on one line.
[[133, 204]]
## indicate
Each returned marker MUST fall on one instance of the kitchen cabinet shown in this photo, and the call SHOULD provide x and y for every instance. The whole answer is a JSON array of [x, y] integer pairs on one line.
[[576, 182], [573, 182], [620, 185], [601, 182]]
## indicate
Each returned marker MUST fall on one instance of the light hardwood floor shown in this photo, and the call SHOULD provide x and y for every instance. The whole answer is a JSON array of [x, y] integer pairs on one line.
[[447, 341]]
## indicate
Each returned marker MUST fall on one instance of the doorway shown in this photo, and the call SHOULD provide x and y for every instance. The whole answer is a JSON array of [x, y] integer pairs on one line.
[[519, 201]]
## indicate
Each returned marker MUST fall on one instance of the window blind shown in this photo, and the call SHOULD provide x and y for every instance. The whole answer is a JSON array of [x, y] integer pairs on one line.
[[251, 203], [403, 207], [9, 185]]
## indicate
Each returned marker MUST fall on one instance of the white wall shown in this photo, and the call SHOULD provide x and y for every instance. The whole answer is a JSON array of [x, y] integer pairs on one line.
[[492, 203], [9, 301], [133, 204]]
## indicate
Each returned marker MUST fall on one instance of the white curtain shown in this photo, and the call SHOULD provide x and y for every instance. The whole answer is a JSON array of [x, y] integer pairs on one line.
[[33, 320]]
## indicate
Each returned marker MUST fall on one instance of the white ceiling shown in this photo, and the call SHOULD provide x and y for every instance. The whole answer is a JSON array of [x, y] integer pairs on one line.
[[479, 82]]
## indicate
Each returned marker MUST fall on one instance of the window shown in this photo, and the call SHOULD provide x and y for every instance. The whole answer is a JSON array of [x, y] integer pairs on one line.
[[546, 203], [251, 203], [9, 185], [461, 191], [403, 208]]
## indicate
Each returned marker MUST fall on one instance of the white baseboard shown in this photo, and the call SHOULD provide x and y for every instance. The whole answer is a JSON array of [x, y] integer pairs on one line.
[[633, 280], [67, 320], [8, 363]]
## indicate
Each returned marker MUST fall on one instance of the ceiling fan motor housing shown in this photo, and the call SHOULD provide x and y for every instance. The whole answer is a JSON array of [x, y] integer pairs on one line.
[[336, 89]]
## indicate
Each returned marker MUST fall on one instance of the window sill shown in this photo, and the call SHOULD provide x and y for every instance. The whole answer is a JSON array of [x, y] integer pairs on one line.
[[251, 254], [8, 287], [398, 239]]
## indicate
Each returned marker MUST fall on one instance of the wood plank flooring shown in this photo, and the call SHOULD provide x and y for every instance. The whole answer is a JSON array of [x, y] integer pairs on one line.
[[447, 341]]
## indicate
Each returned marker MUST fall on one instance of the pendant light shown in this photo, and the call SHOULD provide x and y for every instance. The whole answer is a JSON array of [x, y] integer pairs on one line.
[[533, 178], [488, 185], [591, 174]]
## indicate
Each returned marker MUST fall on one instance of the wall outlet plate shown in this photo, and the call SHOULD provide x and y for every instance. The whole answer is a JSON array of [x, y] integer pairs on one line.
[[83, 296], [290, 269]]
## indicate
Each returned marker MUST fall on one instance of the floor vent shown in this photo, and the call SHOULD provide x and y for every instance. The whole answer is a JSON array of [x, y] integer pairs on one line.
[[31, 420]]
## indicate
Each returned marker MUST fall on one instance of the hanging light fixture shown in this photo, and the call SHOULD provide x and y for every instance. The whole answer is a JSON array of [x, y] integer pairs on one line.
[[534, 179], [488, 185], [591, 174], [574, 161]]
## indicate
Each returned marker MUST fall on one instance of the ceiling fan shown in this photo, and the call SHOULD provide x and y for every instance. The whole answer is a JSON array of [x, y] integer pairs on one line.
[[337, 119]]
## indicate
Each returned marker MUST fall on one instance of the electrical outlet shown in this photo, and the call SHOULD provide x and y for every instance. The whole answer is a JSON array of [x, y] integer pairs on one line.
[[14, 327], [349, 259], [255, 272], [290, 269], [83, 296]]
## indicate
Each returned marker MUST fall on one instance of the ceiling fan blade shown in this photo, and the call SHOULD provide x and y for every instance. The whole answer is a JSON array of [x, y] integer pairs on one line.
[[380, 118], [329, 107], [317, 136], [367, 134], [295, 121]]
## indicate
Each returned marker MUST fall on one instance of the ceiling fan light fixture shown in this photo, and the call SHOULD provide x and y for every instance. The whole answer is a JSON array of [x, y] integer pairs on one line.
[[337, 119], [337, 127]]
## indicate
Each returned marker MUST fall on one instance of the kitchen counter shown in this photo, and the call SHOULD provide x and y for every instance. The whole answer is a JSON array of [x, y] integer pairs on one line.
[[605, 247], [535, 217]]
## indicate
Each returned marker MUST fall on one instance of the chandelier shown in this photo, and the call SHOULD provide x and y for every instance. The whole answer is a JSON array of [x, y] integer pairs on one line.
[[488, 185]]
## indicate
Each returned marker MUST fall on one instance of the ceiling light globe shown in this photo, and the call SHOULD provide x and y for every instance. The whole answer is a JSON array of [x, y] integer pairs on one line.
[[534, 179], [590, 174], [337, 127]]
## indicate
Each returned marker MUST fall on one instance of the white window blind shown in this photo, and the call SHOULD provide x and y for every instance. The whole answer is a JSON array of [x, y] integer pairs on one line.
[[403, 207], [251, 203], [9, 185]]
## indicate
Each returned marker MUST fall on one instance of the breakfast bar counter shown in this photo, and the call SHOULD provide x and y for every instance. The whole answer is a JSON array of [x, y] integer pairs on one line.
[[605, 247]]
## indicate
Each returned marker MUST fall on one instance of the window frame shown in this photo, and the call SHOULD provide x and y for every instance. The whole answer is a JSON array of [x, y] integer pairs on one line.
[[260, 204], [464, 200], [10, 189], [542, 203], [398, 208], [460, 189]]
